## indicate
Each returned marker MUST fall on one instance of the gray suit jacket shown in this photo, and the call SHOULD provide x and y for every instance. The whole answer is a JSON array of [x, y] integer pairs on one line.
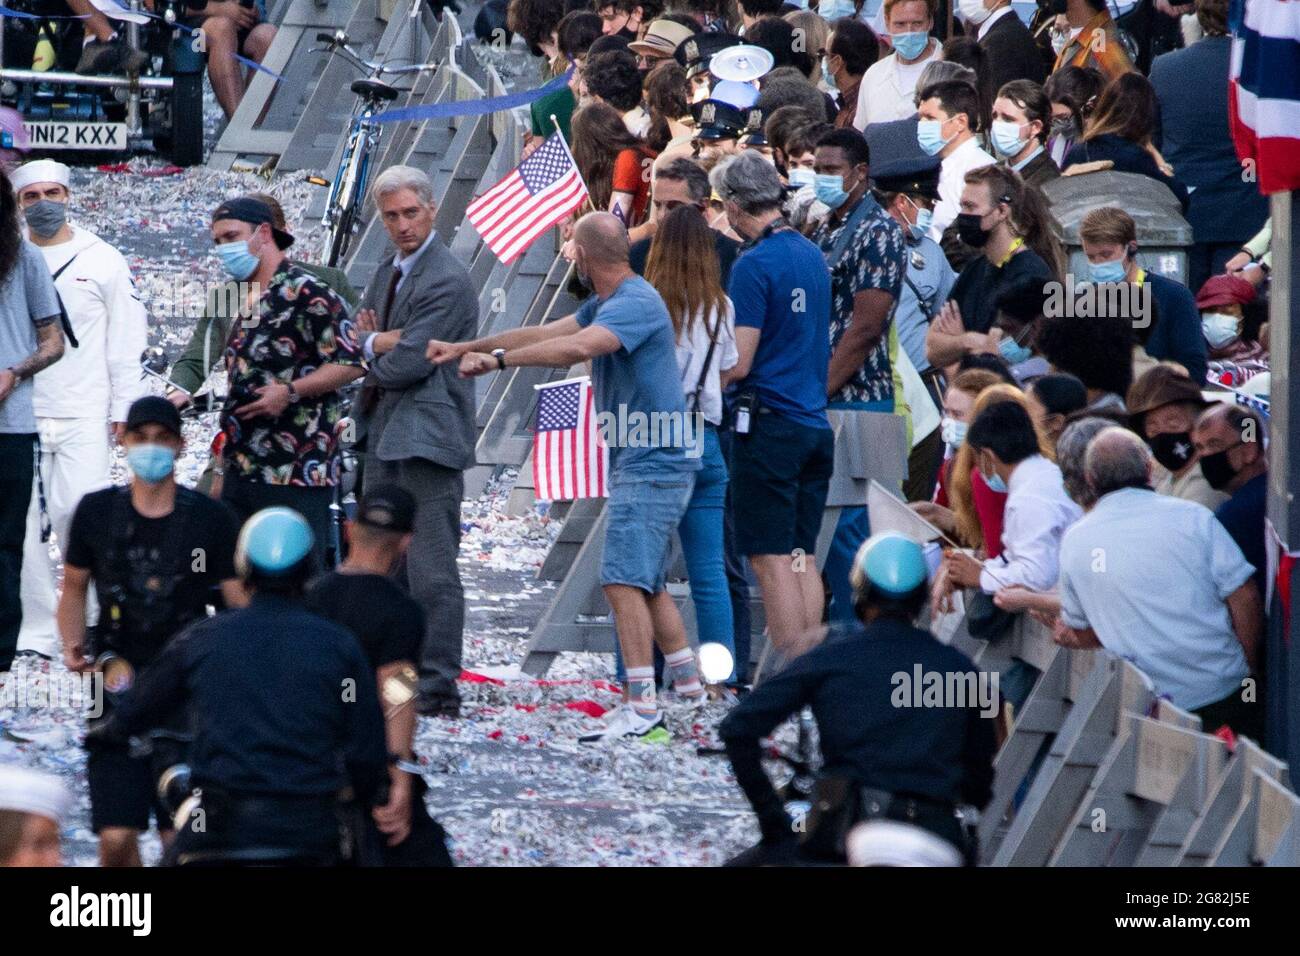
[[424, 411]]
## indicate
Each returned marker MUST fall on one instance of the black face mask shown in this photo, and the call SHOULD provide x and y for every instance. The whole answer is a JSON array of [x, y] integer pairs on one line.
[[1218, 470], [1173, 450], [970, 230]]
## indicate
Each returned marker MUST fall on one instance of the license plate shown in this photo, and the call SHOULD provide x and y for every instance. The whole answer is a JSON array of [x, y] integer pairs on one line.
[[54, 135]]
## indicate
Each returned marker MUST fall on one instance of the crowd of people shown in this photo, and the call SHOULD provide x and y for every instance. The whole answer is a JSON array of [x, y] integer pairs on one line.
[[796, 216]]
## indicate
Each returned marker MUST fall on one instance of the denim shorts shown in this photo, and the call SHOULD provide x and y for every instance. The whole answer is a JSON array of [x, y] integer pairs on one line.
[[643, 515]]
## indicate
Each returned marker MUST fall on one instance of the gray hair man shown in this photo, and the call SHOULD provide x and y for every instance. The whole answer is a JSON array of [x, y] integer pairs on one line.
[[1159, 581], [1071, 456], [416, 421]]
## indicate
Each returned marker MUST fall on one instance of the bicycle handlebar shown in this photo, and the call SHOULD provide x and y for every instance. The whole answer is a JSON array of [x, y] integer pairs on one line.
[[337, 42]]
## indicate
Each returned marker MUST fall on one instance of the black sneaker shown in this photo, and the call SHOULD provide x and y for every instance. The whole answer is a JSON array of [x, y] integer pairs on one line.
[[448, 707], [111, 56]]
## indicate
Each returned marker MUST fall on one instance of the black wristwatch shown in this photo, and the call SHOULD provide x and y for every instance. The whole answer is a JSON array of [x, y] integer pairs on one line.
[[500, 356]]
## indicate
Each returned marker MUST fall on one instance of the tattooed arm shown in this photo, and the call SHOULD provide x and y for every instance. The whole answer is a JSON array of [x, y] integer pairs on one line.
[[49, 349]]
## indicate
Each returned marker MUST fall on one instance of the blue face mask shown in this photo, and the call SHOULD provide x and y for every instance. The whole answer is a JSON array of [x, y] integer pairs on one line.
[[929, 135], [832, 10], [827, 75], [830, 190], [995, 483], [235, 258], [1107, 271], [1006, 138], [910, 45], [151, 463], [1014, 352], [801, 176], [923, 219]]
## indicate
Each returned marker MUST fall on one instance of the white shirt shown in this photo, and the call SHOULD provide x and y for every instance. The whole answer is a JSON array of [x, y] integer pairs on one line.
[[100, 378], [1150, 575], [993, 18], [888, 88], [952, 180], [690, 361], [1038, 512]]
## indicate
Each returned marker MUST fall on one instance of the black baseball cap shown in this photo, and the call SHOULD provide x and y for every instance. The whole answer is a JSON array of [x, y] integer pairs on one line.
[[914, 175], [387, 507], [153, 410], [254, 212]]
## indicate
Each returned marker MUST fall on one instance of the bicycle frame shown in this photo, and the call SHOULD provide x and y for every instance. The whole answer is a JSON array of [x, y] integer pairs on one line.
[[348, 189]]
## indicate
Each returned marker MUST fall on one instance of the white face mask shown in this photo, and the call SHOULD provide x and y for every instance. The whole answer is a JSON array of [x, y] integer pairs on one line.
[[952, 432], [973, 11], [1219, 328]]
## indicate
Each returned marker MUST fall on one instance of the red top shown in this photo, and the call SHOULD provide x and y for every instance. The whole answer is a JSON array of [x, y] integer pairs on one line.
[[632, 175], [989, 506]]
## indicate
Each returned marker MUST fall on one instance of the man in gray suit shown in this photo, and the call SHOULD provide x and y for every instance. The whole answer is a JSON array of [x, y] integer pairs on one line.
[[417, 419]]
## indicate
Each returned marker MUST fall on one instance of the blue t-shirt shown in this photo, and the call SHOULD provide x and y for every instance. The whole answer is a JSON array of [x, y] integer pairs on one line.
[[640, 405], [781, 287], [26, 296]]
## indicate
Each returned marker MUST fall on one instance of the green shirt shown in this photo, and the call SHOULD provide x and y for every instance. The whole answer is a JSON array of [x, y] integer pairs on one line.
[[212, 332], [562, 104]]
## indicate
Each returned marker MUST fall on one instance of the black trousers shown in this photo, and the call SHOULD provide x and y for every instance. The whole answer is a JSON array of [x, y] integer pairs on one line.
[[17, 469], [245, 498]]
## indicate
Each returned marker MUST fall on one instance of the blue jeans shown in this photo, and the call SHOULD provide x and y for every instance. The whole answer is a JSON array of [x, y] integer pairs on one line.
[[701, 534], [853, 528], [736, 568], [642, 515]]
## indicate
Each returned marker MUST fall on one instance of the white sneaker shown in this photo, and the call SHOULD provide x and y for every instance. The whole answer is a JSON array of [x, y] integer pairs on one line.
[[623, 722]]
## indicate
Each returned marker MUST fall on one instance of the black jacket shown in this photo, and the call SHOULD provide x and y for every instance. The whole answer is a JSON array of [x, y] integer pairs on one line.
[[1040, 170], [284, 703], [1128, 157], [1013, 54], [870, 727], [1192, 86]]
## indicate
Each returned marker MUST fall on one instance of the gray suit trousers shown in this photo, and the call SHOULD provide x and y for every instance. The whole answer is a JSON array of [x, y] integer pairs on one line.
[[429, 570]]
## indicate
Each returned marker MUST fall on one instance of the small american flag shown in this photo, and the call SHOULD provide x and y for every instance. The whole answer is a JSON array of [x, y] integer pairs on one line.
[[569, 459], [542, 190]]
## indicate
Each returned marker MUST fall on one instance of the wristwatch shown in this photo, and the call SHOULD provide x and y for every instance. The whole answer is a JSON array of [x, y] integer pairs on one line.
[[293, 393], [500, 356]]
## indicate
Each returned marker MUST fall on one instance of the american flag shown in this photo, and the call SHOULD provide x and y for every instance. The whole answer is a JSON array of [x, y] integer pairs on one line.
[[1264, 95], [569, 459], [542, 190]]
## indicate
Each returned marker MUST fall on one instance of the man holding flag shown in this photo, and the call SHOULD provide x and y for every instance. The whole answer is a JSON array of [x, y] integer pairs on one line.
[[625, 331]]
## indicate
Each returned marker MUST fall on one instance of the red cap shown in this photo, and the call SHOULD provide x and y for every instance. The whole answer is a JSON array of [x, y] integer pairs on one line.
[[1225, 290]]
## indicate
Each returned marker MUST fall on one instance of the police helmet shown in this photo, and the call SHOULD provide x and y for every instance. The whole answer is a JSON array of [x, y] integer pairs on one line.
[[275, 544], [888, 566]]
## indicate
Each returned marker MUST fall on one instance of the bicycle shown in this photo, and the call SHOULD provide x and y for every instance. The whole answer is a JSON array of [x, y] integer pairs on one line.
[[342, 217]]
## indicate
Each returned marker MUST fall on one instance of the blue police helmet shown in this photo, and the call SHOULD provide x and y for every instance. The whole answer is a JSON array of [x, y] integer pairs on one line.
[[889, 563], [273, 543]]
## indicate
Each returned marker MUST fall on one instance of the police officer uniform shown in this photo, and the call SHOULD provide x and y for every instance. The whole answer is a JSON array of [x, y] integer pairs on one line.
[[882, 755], [287, 721], [927, 284]]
